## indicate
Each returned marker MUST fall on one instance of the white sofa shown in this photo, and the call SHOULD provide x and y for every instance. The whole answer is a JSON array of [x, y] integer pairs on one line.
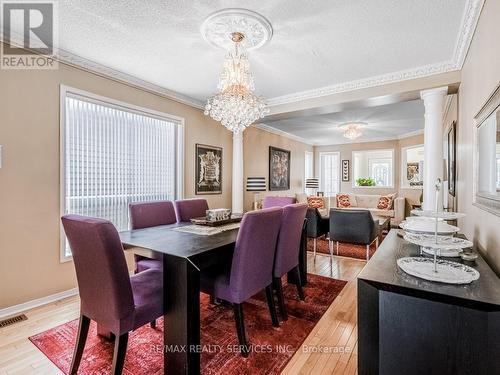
[[369, 202]]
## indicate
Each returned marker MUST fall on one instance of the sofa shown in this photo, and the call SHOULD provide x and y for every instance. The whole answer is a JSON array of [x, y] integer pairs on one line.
[[365, 201]]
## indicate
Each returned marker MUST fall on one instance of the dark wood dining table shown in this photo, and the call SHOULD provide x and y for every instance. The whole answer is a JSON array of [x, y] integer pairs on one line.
[[185, 256]]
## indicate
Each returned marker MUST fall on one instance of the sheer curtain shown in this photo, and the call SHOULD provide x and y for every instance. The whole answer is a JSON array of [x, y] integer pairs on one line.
[[114, 156], [330, 173]]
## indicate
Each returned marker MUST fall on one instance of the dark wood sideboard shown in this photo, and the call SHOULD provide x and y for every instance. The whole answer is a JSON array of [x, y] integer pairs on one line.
[[407, 325]]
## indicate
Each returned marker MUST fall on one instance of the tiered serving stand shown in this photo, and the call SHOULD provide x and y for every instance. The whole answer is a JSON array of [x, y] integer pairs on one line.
[[429, 230]]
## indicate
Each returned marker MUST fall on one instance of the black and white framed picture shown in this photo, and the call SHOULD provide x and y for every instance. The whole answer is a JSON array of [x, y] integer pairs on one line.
[[208, 169], [345, 170], [279, 169]]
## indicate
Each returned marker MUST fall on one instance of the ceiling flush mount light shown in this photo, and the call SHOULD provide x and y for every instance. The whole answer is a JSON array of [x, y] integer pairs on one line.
[[352, 130], [237, 31]]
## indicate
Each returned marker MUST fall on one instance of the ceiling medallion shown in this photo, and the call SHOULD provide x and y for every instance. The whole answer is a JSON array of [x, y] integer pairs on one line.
[[352, 130], [237, 31]]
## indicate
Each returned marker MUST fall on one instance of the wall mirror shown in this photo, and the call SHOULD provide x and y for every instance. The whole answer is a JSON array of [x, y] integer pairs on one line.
[[487, 155], [373, 168]]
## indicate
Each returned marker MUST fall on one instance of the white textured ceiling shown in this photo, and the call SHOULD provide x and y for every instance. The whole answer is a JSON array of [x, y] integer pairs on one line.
[[315, 43], [384, 122]]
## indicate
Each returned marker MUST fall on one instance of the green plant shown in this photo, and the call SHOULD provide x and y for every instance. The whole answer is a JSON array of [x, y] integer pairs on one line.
[[365, 181]]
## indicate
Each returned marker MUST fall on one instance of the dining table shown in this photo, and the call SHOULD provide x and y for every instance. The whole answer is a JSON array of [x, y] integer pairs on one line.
[[185, 255]]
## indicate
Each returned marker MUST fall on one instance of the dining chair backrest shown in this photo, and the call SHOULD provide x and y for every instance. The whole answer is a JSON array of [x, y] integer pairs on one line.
[[151, 214], [253, 257], [101, 270], [353, 226], [315, 225], [277, 201], [288, 245], [187, 209]]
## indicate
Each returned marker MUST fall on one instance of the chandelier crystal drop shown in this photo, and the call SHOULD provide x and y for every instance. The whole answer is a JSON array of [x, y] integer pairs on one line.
[[235, 105], [352, 131]]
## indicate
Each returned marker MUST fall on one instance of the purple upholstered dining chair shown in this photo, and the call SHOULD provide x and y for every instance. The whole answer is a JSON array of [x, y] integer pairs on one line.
[[277, 201], [108, 295], [287, 251], [187, 209], [251, 268], [150, 214]]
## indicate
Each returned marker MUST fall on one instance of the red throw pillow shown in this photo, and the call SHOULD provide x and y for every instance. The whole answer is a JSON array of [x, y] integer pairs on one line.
[[315, 202], [343, 201], [384, 202]]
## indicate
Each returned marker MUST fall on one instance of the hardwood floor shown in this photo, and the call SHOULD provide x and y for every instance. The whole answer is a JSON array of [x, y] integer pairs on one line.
[[335, 334]]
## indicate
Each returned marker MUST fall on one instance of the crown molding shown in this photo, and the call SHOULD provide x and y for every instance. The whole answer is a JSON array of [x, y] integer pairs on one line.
[[69, 58], [468, 26], [384, 79], [285, 134], [378, 139], [282, 133]]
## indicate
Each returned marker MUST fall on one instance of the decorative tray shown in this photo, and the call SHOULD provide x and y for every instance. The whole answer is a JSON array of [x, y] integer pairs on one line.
[[443, 242], [215, 223], [445, 215], [428, 226], [447, 272], [443, 253]]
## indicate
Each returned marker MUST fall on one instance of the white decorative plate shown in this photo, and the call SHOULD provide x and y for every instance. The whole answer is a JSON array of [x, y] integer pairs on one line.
[[443, 242], [428, 226], [445, 215], [444, 253], [447, 272]]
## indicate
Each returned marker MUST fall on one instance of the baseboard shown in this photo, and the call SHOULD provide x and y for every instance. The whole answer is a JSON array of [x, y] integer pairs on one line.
[[16, 309]]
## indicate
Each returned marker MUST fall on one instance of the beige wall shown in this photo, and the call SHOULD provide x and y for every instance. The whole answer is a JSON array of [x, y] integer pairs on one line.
[[29, 177], [346, 151], [480, 75], [256, 144]]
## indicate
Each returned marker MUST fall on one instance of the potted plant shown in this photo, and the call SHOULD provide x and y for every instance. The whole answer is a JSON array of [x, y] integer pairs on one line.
[[365, 181]]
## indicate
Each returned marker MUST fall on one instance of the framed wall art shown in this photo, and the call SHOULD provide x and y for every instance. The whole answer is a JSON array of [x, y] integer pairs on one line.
[[345, 170], [279, 169], [208, 169]]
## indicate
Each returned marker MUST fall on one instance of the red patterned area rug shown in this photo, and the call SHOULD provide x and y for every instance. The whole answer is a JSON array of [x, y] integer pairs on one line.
[[271, 348], [345, 249]]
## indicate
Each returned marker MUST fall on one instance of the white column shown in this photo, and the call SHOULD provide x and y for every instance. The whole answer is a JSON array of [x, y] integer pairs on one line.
[[433, 144], [237, 172]]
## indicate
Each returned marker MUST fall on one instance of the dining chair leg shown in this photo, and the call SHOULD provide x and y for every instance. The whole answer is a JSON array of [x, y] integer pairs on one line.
[[330, 248], [83, 330], [337, 247], [153, 324], [314, 248], [119, 354], [281, 298], [367, 252], [376, 243], [240, 328], [298, 283], [270, 304]]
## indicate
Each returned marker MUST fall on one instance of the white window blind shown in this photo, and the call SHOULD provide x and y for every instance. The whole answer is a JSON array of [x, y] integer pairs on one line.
[[114, 156], [330, 173]]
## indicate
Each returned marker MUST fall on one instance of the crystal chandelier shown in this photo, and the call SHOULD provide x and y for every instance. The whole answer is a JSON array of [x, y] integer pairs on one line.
[[352, 131], [235, 105]]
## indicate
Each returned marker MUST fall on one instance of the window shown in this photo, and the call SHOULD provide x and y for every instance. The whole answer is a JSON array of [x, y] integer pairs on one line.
[[329, 173], [373, 168], [113, 154], [412, 167], [308, 167]]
